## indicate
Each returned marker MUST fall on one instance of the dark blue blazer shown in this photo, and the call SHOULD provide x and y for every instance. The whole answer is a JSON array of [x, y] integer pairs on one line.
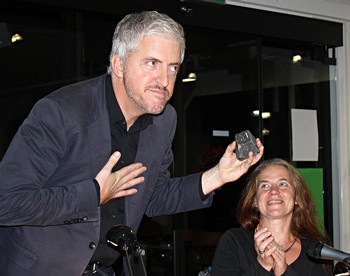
[[49, 213]]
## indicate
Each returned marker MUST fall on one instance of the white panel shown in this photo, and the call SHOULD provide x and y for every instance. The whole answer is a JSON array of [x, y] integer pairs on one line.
[[221, 133]]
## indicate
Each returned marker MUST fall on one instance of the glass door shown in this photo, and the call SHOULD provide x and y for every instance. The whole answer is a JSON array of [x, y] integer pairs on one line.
[[296, 82], [244, 83], [213, 108]]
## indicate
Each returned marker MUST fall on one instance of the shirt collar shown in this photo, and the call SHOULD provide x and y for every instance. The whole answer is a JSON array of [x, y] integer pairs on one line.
[[115, 113]]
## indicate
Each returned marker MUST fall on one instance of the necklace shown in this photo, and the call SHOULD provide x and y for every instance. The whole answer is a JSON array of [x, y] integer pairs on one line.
[[289, 248], [280, 247]]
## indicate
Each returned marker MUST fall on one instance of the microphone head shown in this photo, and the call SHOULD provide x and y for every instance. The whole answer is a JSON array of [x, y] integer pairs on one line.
[[122, 237], [341, 269], [314, 249]]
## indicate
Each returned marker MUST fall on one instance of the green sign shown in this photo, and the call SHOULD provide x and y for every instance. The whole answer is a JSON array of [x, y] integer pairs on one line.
[[314, 178]]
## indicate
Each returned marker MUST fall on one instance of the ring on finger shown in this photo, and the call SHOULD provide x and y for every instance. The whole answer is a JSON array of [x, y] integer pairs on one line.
[[261, 252]]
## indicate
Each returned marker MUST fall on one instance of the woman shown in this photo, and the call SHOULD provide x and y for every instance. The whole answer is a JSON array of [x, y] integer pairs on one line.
[[278, 217]]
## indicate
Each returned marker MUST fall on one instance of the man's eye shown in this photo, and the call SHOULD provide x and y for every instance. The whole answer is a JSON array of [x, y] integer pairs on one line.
[[174, 68], [151, 62]]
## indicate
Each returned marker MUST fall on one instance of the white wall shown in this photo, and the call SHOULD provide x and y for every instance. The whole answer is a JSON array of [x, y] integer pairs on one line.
[[338, 11]]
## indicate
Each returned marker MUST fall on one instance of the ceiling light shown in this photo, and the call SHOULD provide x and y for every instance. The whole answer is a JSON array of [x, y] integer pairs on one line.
[[15, 38], [191, 77], [297, 58], [264, 115], [255, 113], [266, 131]]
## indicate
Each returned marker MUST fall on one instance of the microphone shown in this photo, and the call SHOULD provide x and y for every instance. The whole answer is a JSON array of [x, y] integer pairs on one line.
[[319, 250], [122, 238]]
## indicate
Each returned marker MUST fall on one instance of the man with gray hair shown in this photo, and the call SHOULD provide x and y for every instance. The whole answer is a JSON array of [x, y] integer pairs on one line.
[[95, 154]]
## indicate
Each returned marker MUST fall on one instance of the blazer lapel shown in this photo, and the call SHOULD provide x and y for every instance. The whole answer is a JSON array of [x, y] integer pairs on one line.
[[99, 134], [145, 154]]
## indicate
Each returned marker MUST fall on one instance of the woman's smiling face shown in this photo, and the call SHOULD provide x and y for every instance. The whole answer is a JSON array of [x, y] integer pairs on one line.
[[276, 194]]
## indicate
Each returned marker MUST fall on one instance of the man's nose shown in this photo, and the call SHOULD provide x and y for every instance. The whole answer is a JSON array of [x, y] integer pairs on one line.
[[162, 77]]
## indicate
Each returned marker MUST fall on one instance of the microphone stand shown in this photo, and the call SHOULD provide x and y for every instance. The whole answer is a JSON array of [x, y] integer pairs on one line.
[[138, 249], [122, 238]]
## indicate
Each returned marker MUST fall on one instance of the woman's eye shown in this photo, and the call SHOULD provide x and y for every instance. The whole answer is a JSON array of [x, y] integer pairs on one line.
[[264, 186], [283, 184]]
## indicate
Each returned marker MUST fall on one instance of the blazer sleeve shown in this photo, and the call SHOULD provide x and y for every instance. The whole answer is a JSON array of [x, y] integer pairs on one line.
[[30, 192], [177, 194]]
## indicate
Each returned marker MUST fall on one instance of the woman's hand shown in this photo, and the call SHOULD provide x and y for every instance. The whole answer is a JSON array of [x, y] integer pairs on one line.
[[262, 241], [268, 254], [280, 262]]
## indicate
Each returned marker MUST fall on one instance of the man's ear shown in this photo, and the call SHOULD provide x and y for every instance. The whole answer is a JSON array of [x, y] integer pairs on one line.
[[117, 65]]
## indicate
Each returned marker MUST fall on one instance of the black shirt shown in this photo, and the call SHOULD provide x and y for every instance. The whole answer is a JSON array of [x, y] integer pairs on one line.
[[235, 255], [126, 142]]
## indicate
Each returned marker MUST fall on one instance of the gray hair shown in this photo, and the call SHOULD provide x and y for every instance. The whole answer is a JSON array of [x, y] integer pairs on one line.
[[133, 27]]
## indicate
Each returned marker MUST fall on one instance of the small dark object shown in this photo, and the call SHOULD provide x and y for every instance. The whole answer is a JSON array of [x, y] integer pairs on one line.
[[245, 143], [122, 238], [341, 269]]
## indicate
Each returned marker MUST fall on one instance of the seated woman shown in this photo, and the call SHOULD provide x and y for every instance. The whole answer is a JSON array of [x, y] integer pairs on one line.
[[278, 217]]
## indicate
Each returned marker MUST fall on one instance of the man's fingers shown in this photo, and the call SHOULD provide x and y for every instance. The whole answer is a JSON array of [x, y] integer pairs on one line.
[[126, 189], [120, 192], [132, 182], [113, 159], [231, 147], [119, 183], [127, 192], [126, 178], [129, 172]]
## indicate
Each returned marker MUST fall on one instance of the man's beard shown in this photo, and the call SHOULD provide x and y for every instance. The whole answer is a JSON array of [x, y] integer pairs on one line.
[[140, 103]]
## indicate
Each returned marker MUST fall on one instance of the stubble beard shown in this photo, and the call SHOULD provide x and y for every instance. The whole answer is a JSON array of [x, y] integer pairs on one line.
[[140, 103]]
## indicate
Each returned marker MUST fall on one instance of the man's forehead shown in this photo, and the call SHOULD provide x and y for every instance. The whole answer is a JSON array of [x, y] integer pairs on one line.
[[157, 46]]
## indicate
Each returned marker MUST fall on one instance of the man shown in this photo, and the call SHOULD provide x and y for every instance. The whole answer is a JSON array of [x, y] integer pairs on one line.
[[96, 154]]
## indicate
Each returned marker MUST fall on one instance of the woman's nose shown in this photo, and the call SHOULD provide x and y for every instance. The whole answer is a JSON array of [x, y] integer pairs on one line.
[[274, 189]]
